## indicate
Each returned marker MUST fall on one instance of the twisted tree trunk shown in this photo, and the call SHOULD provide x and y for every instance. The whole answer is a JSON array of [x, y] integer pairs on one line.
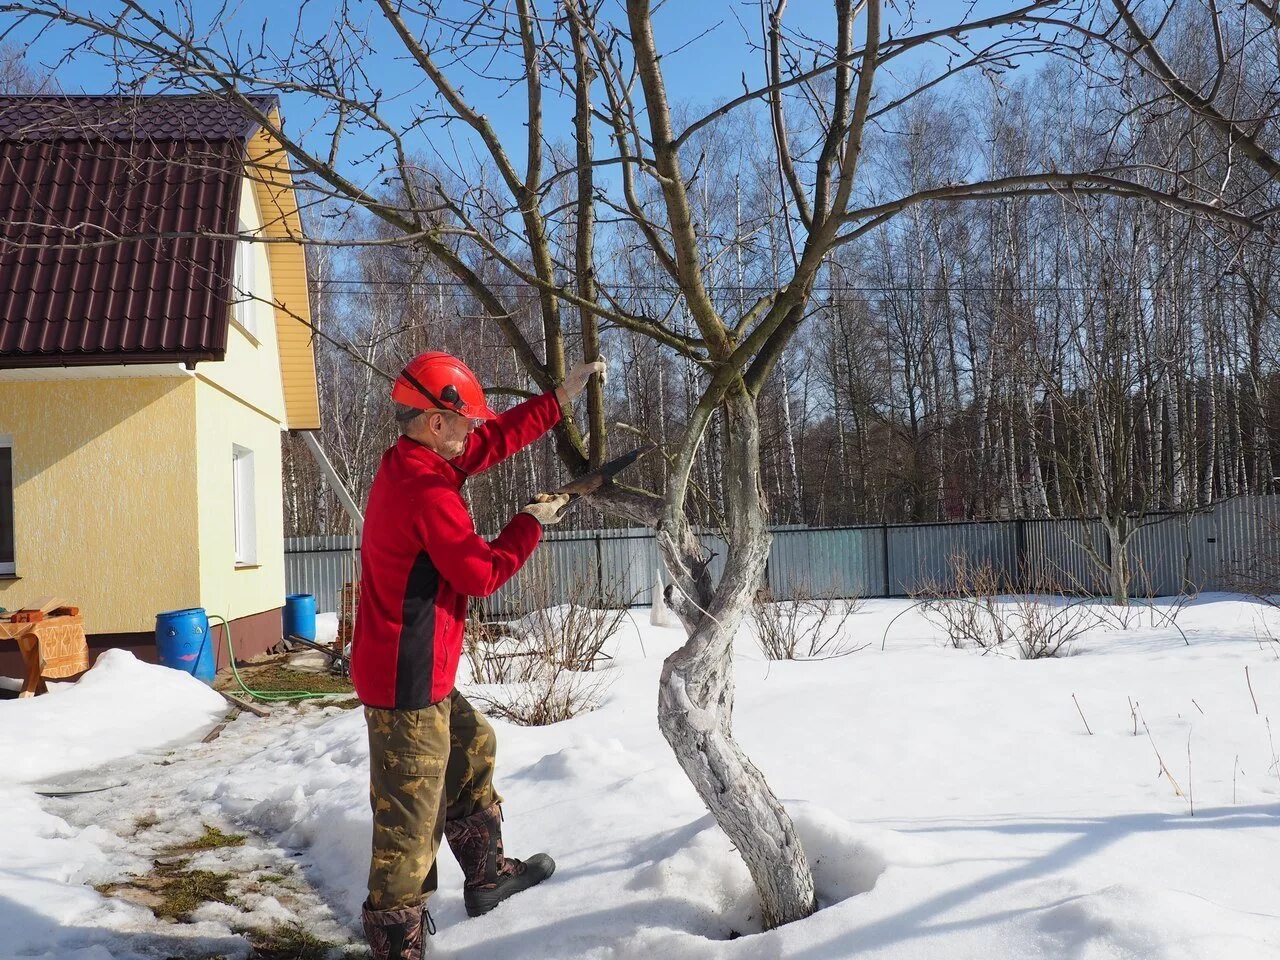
[[695, 698]]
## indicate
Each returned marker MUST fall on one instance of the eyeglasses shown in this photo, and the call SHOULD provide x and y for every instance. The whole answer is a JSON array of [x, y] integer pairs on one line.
[[475, 422]]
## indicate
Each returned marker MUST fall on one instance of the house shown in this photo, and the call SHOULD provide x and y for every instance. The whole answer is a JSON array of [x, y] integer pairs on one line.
[[149, 362]]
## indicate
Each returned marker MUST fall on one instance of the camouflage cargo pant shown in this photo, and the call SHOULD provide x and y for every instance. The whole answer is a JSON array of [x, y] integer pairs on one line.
[[425, 766]]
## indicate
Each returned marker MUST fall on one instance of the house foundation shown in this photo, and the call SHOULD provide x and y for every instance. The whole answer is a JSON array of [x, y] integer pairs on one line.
[[251, 636]]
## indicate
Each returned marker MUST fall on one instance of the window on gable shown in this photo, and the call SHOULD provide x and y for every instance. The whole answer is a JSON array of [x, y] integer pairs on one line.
[[242, 488], [245, 280], [6, 507]]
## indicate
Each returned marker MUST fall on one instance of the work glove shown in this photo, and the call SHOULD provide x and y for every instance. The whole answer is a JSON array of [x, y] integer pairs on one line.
[[577, 379], [548, 508]]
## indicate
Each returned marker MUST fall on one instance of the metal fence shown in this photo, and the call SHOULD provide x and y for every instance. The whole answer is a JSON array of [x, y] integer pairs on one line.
[[1170, 554], [320, 566]]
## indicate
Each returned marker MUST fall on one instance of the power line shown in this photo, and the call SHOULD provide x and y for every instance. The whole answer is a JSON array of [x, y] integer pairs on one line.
[[431, 285]]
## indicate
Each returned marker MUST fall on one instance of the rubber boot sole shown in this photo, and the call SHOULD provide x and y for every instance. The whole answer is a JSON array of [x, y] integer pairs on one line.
[[481, 900]]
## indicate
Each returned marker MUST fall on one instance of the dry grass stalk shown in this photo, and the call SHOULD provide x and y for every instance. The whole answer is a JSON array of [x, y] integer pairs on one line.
[[1191, 784], [1275, 761], [1081, 712], [1164, 770]]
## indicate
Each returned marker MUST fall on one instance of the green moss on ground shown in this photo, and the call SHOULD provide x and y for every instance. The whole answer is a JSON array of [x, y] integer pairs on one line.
[[181, 890], [211, 839], [277, 676], [288, 941]]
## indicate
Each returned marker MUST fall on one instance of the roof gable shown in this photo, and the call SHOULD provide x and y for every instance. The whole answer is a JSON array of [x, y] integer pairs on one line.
[[273, 183], [79, 173]]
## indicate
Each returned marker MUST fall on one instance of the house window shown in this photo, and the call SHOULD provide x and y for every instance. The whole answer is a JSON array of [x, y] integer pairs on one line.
[[6, 507], [242, 488], [245, 281]]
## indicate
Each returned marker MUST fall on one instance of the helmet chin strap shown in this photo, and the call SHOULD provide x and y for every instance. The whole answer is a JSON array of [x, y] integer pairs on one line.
[[448, 399]]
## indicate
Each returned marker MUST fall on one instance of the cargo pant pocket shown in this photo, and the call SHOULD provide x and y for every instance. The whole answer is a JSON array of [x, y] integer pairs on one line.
[[402, 763]]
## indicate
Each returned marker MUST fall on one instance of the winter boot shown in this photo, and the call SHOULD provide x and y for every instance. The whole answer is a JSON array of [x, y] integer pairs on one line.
[[476, 841], [396, 934]]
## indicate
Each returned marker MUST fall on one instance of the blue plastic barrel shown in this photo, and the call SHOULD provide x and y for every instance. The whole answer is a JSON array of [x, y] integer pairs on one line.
[[183, 642], [300, 616]]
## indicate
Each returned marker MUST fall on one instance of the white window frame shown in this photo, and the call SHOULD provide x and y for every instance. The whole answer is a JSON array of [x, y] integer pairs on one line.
[[245, 282], [244, 512], [9, 568]]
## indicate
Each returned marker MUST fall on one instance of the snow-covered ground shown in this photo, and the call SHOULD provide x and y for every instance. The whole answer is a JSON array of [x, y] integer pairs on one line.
[[953, 805]]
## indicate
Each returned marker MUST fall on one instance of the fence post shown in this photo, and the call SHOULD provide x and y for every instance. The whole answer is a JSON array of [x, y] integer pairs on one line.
[[1106, 582], [884, 553], [1020, 552], [599, 571]]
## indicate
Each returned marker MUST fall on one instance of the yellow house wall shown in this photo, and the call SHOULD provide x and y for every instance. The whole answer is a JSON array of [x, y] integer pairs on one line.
[[105, 489], [240, 401], [221, 423], [251, 370]]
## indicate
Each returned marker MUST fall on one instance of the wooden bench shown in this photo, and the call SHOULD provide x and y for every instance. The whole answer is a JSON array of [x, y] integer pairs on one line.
[[52, 648]]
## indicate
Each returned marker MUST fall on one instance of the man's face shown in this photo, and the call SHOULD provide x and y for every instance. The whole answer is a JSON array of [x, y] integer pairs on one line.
[[449, 431]]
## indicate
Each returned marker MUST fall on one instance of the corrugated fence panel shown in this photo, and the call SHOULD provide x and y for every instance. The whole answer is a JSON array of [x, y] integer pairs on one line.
[[319, 566], [847, 562], [612, 568], [923, 556], [1159, 557], [1169, 554], [631, 565], [1224, 540], [1055, 554], [560, 571]]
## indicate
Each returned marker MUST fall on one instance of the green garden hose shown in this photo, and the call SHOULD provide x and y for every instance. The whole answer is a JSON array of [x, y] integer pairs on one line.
[[266, 696]]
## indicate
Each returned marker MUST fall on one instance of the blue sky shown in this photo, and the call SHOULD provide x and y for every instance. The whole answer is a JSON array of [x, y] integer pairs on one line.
[[709, 60]]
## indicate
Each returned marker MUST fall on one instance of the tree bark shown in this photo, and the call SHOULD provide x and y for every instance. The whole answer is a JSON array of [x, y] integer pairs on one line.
[[695, 698], [1118, 537]]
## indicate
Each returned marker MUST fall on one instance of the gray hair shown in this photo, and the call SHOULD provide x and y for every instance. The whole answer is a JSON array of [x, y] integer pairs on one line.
[[406, 415]]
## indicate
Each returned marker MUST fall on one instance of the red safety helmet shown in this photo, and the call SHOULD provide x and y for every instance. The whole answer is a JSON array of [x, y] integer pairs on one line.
[[438, 381]]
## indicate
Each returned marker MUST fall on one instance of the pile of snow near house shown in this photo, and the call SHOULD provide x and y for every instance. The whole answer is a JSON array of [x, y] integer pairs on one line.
[[953, 804]]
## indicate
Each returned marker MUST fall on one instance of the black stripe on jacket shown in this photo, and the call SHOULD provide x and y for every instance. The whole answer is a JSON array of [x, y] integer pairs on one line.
[[415, 653]]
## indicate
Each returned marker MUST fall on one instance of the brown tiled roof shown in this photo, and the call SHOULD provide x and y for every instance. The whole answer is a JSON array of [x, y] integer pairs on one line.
[[73, 117], [103, 201]]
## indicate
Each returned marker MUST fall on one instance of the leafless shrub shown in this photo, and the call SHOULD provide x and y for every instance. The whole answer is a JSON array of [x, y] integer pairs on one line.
[[1046, 629], [977, 606], [480, 645], [1143, 609], [553, 695], [1265, 633], [1257, 576], [544, 667], [528, 681], [965, 603], [809, 626]]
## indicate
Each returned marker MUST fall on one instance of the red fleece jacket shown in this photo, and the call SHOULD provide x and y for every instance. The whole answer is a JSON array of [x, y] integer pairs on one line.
[[421, 558]]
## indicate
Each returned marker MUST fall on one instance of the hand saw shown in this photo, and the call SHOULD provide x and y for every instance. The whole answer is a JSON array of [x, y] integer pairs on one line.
[[593, 480]]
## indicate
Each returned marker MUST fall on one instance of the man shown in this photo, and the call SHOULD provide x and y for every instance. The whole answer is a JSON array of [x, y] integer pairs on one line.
[[431, 755]]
